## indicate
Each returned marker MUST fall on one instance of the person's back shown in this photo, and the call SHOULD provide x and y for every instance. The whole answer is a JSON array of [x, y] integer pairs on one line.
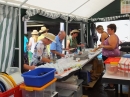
[[25, 44]]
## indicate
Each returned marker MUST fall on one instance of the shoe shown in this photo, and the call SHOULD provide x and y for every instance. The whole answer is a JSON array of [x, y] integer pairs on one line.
[[109, 88]]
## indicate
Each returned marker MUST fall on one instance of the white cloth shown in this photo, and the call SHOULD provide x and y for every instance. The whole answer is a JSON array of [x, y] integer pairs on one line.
[[33, 44]]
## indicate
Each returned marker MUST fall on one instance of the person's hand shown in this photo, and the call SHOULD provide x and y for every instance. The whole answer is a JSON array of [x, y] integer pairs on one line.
[[32, 67], [100, 46], [94, 50], [62, 55], [82, 45], [66, 48]]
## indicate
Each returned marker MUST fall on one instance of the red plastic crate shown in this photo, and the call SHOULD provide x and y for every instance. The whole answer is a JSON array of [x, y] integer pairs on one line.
[[16, 92], [112, 60]]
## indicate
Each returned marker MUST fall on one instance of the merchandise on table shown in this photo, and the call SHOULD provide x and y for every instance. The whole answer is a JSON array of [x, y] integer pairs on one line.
[[63, 65], [112, 65], [124, 67], [82, 56]]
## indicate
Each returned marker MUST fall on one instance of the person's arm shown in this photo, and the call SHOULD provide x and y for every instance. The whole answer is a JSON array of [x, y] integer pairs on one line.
[[57, 53], [80, 45], [47, 60], [53, 49], [27, 67], [68, 44], [40, 48], [103, 38], [29, 44], [112, 43]]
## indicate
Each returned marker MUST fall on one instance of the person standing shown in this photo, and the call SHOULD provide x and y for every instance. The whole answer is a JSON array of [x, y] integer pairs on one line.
[[32, 43], [40, 55], [110, 48], [104, 35], [42, 32], [72, 41], [56, 48], [25, 47]]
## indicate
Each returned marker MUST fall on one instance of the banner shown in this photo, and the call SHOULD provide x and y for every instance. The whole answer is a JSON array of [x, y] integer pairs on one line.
[[125, 6]]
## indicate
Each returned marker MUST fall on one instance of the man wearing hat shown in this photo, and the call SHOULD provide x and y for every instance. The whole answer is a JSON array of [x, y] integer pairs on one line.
[[40, 55], [72, 41], [42, 32], [56, 48]]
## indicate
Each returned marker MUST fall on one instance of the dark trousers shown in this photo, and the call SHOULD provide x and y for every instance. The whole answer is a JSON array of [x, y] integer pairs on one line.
[[104, 58]]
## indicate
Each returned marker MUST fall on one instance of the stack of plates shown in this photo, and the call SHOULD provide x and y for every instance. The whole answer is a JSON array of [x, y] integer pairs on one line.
[[5, 82], [8, 82]]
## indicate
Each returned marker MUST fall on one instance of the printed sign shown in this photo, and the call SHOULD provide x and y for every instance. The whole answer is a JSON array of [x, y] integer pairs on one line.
[[125, 6]]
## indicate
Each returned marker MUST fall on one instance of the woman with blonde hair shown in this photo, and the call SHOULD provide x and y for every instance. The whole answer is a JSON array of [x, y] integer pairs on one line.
[[104, 35], [32, 43]]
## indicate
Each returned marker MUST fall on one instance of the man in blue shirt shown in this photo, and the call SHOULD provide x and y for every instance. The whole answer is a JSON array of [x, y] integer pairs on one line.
[[56, 48]]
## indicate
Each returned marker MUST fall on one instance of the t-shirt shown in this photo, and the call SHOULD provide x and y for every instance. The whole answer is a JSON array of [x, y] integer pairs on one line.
[[39, 52], [73, 42], [33, 44], [48, 46], [25, 44]]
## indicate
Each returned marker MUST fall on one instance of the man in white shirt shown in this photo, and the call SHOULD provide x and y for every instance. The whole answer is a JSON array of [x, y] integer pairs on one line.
[[40, 55]]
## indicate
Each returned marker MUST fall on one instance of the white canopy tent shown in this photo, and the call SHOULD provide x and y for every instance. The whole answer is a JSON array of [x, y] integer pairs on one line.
[[81, 8], [77, 8]]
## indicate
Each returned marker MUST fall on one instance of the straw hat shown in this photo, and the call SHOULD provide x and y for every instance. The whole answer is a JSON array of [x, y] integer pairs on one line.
[[43, 29], [40, 31], [75, 30], [34, 32], [50, 36]]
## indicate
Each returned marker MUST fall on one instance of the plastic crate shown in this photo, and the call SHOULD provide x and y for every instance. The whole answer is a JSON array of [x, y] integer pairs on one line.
[[79, 91], [65, 92], [38, 77], [111, 64], [15, 92], [45, 91], [71, 93]]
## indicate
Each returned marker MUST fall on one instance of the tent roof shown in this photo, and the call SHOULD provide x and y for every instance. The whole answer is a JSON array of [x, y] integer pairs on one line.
[[112, 9], [82, 8]]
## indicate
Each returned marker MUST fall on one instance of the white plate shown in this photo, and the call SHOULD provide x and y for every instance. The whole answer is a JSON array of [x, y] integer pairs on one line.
[[5, 83], [9, 82]]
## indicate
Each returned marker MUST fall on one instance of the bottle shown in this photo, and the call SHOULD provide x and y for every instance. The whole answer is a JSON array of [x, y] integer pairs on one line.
[[51, 57], [78, 50], [67, 54], [55, 59]]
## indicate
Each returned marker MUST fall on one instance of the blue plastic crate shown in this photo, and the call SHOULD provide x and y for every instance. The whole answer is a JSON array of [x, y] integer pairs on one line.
[[38, 77]]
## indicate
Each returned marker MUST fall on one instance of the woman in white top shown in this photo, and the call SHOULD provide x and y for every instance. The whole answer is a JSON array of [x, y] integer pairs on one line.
[[32, 43]]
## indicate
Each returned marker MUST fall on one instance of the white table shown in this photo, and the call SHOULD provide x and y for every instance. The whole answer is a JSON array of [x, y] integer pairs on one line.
[[116, 80], [82, 63]]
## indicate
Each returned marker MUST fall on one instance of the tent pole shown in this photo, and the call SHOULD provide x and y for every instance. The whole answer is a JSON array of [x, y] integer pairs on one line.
[[20, 33], [79, 7], [66, 32]]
